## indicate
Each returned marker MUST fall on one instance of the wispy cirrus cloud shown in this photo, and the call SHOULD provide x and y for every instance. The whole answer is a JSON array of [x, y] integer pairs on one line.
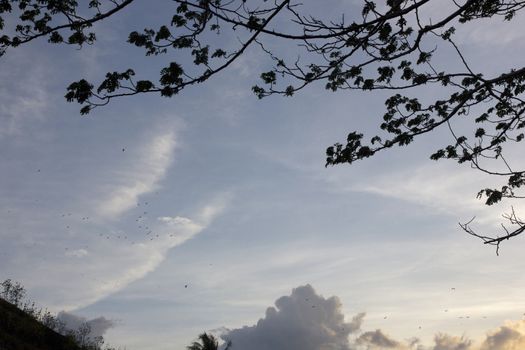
[[111, 263], [99, 245], [25, 99], [440, 188], [149, 168]]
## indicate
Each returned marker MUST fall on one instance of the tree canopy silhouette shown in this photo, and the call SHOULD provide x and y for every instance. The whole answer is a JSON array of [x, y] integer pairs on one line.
[[388, 45], [206, 342], [24, 326]]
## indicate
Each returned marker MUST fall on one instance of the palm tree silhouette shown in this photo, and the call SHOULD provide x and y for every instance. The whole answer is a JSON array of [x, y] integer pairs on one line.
[[206, 342]]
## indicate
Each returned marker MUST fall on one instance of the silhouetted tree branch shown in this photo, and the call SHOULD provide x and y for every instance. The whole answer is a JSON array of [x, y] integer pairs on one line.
[[49, 18], [388, 46], [518, 227]]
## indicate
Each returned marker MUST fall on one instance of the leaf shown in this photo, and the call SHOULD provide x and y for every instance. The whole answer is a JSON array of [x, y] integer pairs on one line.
[[144, 85]]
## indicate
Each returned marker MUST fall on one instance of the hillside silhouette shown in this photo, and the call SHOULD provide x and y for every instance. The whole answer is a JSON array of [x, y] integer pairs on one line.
[[20, 331]]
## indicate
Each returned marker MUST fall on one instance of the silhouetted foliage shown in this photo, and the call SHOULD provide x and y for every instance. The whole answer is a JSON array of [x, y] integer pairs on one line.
[[387, 46], [206, 342], [25, 326]]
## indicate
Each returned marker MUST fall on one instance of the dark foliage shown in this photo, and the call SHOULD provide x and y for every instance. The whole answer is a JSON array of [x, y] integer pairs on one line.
[[385, 47], [23, 326], [206, 342]]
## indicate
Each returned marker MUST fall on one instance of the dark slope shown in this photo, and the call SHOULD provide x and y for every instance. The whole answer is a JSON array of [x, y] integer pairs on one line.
[[19, 331]]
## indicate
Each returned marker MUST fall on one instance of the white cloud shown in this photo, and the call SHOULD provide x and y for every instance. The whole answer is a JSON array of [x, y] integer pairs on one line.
[[304, 320], [175, 220], [97, 326], [149, 169], [77, 253], [25, 99], [212, 209], [307, 321], [90, 253], [430, 185], [486, 33], [510, 336], [448, 342], [115, 263], [442, 188], [495, 31], [377, 340]]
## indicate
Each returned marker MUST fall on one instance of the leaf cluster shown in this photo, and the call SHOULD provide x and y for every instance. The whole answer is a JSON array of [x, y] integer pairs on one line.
[[386, 46]]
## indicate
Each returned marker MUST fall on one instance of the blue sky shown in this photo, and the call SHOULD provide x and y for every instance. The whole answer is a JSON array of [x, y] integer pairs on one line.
[[176, 216]]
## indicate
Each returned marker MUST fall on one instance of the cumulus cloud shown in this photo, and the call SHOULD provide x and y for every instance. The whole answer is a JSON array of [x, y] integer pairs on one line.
[[304, 320], [510, 336], [448, 342], [377, 340], [97, 326]]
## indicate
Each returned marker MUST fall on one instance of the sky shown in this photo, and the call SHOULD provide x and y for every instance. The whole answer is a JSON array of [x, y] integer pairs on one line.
[[158, 219]]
